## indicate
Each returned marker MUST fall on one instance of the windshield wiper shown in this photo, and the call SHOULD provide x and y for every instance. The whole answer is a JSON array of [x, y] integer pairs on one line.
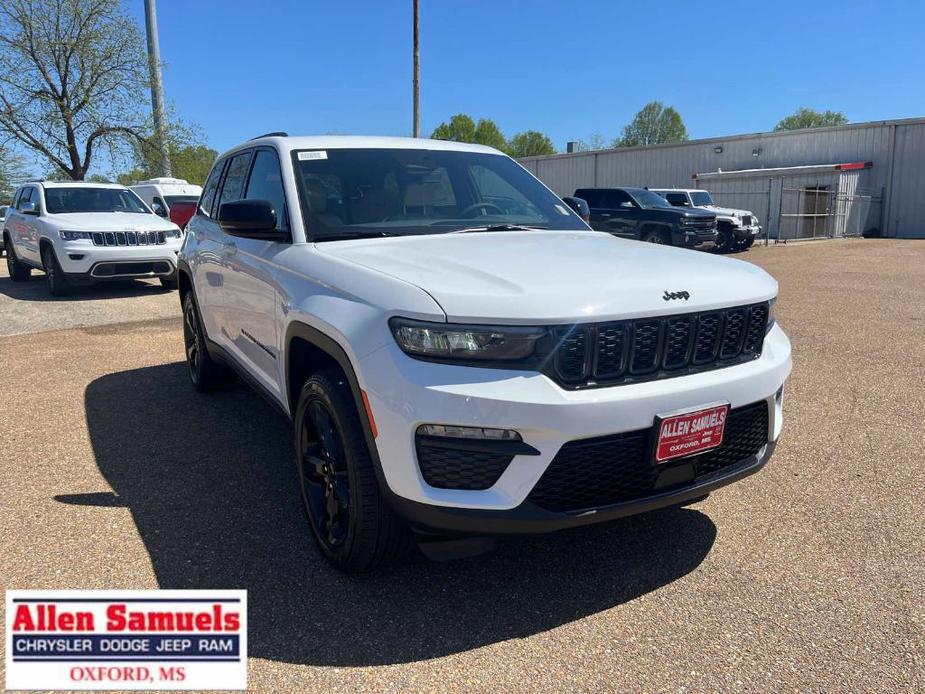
[[496, 227], [343, 235]]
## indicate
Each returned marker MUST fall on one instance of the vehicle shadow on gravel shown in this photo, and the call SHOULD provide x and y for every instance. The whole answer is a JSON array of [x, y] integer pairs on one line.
[[211, 485], [36, 290]]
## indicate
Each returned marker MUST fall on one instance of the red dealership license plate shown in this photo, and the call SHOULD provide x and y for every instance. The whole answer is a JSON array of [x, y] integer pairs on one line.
[[690, 432]]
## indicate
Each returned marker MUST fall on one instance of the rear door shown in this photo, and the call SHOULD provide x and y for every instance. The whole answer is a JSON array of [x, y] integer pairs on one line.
[[251, 298]]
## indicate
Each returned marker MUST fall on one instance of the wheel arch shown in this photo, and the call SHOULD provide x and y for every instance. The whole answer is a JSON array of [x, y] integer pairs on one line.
[[658, 227], [45, 242], [308, 350]]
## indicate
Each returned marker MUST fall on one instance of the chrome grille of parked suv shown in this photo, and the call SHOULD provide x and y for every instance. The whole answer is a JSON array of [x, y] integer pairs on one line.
[[129, 238], [606, 354]]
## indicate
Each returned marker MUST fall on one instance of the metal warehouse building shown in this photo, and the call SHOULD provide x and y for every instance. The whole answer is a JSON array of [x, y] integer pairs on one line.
[[838, 181]]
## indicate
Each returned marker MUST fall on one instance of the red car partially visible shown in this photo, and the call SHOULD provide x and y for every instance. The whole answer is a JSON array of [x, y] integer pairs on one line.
[[182, 212]]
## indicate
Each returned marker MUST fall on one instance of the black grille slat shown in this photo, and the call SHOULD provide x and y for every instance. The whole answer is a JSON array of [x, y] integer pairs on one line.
[[678, 335], [644, 352], [734, 326], [610, 357], [707, 341], [571, 356], [757, 327], [612, 469], [128, 238]]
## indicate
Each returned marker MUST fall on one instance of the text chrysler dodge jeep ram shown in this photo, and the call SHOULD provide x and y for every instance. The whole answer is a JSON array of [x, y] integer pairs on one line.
[[460, 354]]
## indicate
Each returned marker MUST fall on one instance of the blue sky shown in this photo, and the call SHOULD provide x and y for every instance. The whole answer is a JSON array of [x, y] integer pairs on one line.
[[569, 69]]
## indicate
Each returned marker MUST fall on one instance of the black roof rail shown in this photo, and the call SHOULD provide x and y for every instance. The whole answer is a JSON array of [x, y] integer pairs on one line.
[[278, 133]]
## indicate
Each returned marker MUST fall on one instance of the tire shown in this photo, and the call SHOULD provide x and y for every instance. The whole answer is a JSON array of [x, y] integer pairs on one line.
[[655, 237], [725, 242], [170, 281], [19, 272], [350, 520], [749, 242], [205, 374], [54, 278]]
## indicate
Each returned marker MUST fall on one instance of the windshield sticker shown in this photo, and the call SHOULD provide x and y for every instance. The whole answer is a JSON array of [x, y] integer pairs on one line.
[[318, 154]]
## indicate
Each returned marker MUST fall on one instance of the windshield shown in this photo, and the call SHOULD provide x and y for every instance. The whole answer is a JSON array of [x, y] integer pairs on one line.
[[702, 199], [171, 199], [646, 198], [70, 199], [400, 192]]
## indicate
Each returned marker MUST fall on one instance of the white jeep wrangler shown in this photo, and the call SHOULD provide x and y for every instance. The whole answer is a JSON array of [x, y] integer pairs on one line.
[[81, 233], [460, 355], [737, 229]]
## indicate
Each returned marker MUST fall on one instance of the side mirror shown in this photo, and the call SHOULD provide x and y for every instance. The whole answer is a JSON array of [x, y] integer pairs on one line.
[[579, 206], [158, 209], [29, 208], [250, 219], [627, 205]]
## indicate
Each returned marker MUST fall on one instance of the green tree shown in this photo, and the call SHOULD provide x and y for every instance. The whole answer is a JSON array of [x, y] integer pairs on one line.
[[463, 128], [655, 124], [72, 79], [190, 162], [12, 173], [595, 142], [808, 118], [530, 143]]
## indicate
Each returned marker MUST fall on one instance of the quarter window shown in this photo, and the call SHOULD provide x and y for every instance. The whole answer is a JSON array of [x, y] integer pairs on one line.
[[208, 192]]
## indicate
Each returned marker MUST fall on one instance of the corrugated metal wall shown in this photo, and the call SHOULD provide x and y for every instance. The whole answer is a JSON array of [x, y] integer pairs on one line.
[[897, 149]]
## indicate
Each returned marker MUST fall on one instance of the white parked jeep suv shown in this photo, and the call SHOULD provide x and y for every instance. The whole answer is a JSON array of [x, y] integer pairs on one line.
[[737, 229], [460, 354], [82, 233]]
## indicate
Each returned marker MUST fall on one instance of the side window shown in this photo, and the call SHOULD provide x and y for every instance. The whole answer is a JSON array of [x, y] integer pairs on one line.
[[208, 192], [16, 199], [27, 195], [266, 183], [233, 186], [593, 197], [677, 199], [158, 200], [614, 198]]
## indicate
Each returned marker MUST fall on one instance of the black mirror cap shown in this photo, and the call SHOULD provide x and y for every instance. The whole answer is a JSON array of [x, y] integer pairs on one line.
[[579, 206], [253, 219]]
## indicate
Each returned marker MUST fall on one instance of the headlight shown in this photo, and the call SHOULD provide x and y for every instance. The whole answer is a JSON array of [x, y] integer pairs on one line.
[[464, 342], [74, 235], [173, 233], [772, 321]]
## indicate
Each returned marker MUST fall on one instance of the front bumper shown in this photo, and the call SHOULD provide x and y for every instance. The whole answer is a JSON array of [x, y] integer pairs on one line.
[[404, 393], [696, 239], [746, 233], [82, 262]]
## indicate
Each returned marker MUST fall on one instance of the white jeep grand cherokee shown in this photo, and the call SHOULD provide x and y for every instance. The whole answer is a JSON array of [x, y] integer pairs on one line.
[[460, 354], [81, 233]]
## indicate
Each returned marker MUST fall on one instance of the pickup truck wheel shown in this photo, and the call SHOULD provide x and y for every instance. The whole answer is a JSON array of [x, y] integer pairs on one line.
[[54, 277], [18, 271], [205, 374], [655, 237], [350, 520]]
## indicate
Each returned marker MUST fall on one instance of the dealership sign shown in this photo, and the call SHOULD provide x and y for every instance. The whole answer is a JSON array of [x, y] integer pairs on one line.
[[142, 639]]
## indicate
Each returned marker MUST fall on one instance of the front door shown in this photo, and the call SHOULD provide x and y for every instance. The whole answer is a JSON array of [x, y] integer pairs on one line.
[[251, 298]]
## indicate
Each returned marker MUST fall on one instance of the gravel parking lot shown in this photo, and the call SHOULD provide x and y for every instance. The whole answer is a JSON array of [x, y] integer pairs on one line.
[[809, 575]]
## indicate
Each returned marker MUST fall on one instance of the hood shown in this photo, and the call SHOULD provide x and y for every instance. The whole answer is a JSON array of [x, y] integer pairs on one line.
[[728, 211], [545, 277], [685, 211], [110, 221]]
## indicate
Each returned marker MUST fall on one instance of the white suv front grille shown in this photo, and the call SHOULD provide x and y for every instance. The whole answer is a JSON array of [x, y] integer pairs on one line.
[[129, 238]]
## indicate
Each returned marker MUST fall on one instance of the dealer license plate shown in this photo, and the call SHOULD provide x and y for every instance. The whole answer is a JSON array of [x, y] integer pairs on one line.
[[690, 432]]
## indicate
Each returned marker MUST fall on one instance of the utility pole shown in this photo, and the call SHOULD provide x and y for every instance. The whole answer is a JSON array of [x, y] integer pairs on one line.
[[157, 90], [417, 76]]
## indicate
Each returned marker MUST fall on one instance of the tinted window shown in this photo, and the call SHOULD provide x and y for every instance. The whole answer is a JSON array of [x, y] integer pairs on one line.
[[233, 187], [614, 198], [208, 192], [72, 199], [702, 199], [171, 199], [396, 192], [266, 183], [677, 199], [593, 197], [647, 198]]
